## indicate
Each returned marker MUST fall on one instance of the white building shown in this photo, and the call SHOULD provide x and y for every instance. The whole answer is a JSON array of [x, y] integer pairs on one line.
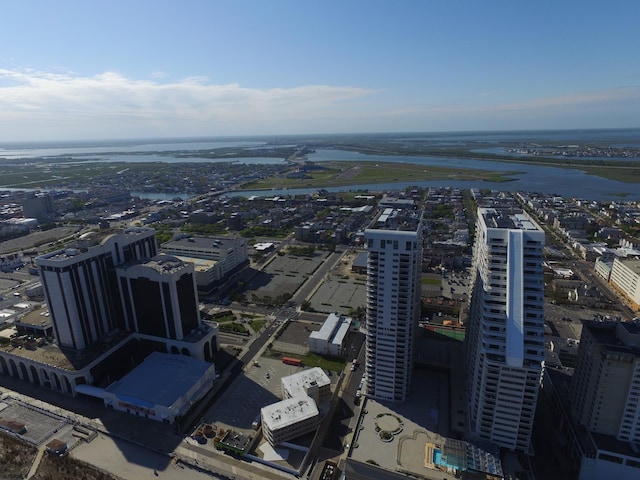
[[312, 382], [331, 337], [289, 419], [226, 255], [505, 333], [394, 247], [625, 277]]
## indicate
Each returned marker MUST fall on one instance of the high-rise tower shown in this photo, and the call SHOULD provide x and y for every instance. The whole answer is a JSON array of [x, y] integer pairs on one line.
[[605, 393], [393, 301], [505, 331], [115, 281], [81, 285]]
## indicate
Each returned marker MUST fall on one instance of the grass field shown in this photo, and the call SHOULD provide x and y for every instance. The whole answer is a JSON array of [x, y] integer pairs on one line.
[[311, 360], [354, 173]]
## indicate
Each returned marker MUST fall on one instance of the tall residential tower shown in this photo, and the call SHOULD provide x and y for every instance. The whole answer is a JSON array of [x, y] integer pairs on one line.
[[505, 331], [394, 246]]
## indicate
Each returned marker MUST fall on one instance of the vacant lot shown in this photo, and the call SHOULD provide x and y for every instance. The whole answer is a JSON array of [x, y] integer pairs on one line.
[[36, 239], [16, 457]]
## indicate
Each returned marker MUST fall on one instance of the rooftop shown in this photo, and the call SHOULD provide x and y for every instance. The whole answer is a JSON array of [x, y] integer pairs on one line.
[[298, 383], [51, 354], [201, 243], [608, 336], [287, 412], [199, 264], [160, 380], [91, 239], [403, 219], [512, 219], [335, 327], [160, 263], [633, 265]]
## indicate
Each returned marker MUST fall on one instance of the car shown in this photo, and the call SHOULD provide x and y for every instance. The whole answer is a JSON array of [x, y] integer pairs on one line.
[[267, 376]]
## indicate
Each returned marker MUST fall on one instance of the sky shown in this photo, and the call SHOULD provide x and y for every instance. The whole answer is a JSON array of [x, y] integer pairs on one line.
[[82, 70]]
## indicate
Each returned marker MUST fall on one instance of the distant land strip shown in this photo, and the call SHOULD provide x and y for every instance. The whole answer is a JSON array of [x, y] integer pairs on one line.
[[330, 174]]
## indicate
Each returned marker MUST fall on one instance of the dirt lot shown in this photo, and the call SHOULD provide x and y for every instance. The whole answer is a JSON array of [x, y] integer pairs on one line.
[[16, 458]]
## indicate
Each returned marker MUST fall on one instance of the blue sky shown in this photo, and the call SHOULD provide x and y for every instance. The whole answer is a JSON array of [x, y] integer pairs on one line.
[[124, 69]]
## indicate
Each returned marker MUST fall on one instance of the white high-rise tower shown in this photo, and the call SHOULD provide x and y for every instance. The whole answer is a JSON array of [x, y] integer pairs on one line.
[[393, 301], [505, 331]]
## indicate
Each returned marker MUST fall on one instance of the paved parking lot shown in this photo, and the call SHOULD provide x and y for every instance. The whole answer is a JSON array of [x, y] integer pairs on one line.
[[337, 294], [255, 388], [284, 274], [40, 424]]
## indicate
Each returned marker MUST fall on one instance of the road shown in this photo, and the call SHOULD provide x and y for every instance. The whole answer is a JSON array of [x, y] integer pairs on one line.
[[346, 407]]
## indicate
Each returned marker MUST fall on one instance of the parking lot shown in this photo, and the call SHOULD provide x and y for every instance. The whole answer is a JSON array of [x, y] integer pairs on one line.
[[339, 294], [39, 424], [257, 387], [284, 274]]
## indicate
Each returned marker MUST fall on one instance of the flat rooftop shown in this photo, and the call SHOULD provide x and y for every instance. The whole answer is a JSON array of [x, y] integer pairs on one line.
[[390, 218], [606, 334], [160, 263], [298, 383], [334, 327], [633, 265], [513, 219], [160, 380], [91, 239], [287, 412], [201, 243], [51, 354], [199, 264]]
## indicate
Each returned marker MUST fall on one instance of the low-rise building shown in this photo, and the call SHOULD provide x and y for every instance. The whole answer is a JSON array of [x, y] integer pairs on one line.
[[215, 259], [162, 388], [312, 382], [289, 419], [331, 337]]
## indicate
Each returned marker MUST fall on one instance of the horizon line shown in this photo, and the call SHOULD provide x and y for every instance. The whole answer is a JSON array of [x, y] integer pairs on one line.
[[291, 135]]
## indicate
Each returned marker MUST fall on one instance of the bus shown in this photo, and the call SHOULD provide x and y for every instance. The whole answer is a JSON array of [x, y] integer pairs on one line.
[[292, 361]]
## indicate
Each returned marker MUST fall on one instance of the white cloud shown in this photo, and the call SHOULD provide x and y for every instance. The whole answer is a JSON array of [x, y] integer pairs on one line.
[[570, 100], [43, 105], [36, 105]]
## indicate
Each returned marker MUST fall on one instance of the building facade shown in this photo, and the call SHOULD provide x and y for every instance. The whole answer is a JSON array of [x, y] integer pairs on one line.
[[81, 286], [331, 337], [394, 246], [290, 418], [159, 297], [625, 278], [216, 259], [505, 332], [605, 390]]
